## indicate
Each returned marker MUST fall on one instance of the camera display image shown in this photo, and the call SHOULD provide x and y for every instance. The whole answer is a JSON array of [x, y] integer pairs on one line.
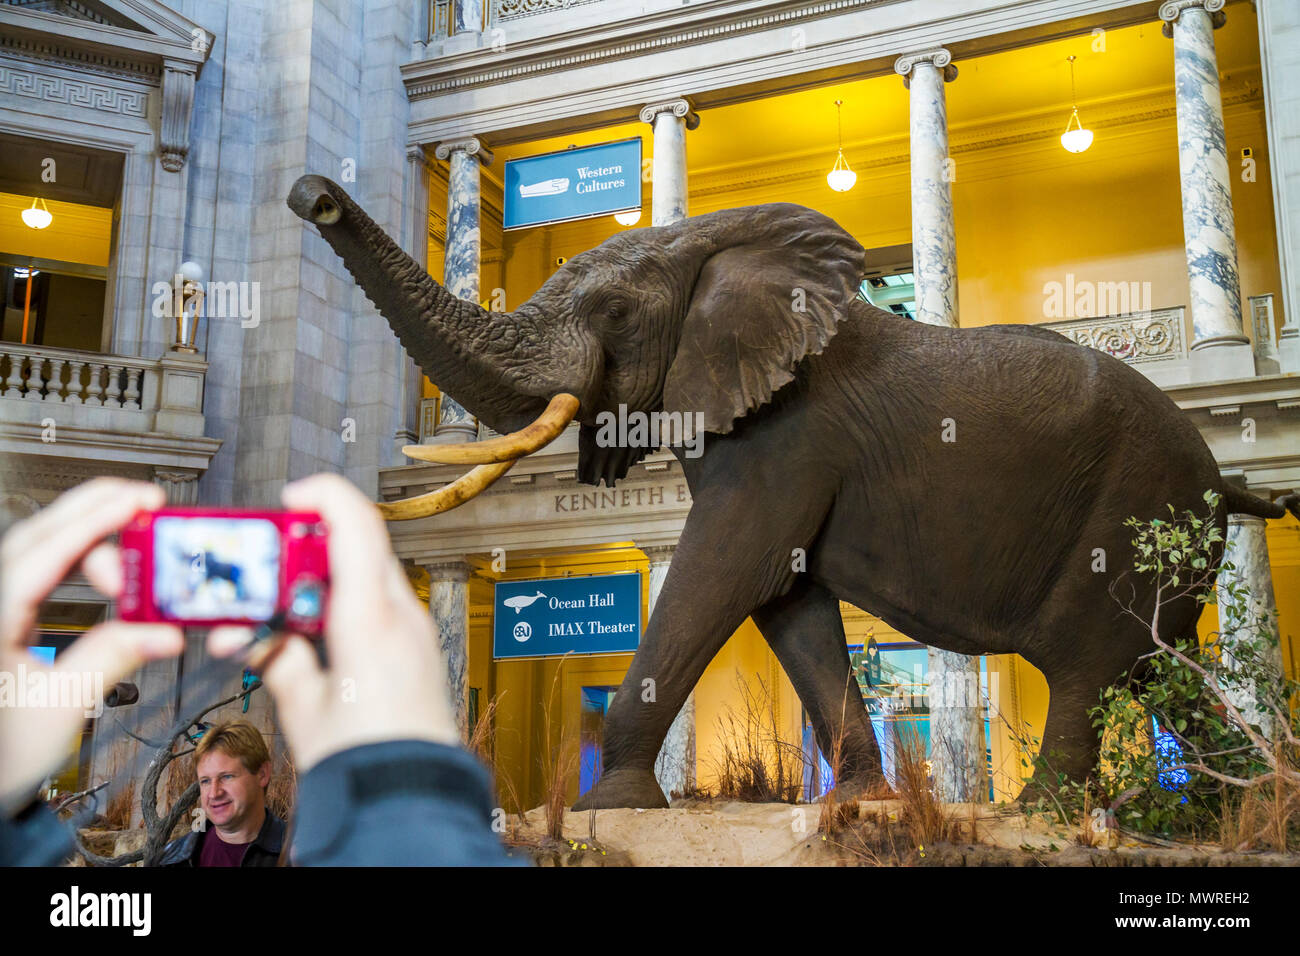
[[214, 568]]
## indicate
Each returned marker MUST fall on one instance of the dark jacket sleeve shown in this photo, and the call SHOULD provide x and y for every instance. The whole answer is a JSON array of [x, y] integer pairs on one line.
[[36, 837], [397, 803]]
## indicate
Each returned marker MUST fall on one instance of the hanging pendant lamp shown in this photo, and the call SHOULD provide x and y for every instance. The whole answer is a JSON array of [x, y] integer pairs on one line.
[[1076, 138], [840, 178]]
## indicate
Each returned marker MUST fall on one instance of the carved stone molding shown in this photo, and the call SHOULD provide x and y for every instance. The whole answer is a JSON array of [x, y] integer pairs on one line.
[[502, 11], [53, 88], [679, 107], [470, 145], [1171, 10], [177, 108], [939, 57], [82, 60], [1135, 339]]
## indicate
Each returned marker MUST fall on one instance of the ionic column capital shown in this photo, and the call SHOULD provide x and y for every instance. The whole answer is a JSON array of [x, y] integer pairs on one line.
[[680, 108], [416, 153], [470, 146], [1171, 10], [659, 553], [938, 57]]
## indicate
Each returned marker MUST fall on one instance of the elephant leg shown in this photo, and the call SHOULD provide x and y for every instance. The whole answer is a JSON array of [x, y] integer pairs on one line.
[[1071, 745], [806, 632], [719, 575]]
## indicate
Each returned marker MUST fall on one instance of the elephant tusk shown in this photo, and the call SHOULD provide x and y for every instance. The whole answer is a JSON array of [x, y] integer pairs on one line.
[[510, 447], [444, 499]]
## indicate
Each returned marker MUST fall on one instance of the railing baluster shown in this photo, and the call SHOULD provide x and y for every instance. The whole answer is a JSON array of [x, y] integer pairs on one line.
[[93, 389], [15, 380], [114, 389], [34, 382], [74, 382], [54, 385], [132, 397]]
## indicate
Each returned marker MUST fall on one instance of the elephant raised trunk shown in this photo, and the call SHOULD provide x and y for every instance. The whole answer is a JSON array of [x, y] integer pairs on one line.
[[467, 350]]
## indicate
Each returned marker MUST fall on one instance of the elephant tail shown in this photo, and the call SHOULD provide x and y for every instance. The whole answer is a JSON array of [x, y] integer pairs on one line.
[[1241, 502]]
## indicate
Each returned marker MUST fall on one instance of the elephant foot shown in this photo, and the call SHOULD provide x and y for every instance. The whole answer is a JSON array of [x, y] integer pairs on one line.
[[623, 788], [863, 786]]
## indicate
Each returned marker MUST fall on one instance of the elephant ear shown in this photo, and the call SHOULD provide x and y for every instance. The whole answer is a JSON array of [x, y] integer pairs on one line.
[[761, 304]]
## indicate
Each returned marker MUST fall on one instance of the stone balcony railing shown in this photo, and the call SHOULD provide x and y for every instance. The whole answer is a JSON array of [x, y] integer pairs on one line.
[[100, 407], [1154, 342]]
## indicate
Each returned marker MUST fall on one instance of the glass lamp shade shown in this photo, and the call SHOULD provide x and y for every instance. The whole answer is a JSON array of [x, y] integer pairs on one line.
[[630, 218], [1075, 138], [37, 218], [841, 178]]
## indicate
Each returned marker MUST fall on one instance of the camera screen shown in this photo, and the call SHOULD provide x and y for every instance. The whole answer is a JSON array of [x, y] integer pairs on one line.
[[213, 568]]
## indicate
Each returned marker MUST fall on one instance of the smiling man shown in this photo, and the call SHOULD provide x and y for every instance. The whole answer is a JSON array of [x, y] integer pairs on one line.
[[234, 769]]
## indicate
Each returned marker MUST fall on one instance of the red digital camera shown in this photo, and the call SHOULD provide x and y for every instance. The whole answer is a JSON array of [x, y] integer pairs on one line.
[[210, 566]]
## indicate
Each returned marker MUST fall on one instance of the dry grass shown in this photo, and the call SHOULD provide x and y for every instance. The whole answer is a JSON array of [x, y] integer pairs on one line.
[[559, 763], [181, 773], [757, 765], [482, 744], [1262, 817], [835, 815], [122, 799], [282, 792], [923, 813]]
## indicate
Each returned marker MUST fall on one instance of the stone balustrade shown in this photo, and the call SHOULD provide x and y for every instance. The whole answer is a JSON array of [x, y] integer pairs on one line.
[[38, 373], [92, 390]]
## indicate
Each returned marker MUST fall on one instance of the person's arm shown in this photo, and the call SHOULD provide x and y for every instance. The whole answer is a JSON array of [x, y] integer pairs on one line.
[[35, 555], [398, 803], [383, 778]]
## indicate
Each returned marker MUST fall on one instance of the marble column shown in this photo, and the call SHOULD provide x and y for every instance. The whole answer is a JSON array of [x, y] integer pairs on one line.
[[1246, 548], [449, 608], [669, 188], [1220, 349], [956, 719], [934, 242], [462, 258], [675, 765]]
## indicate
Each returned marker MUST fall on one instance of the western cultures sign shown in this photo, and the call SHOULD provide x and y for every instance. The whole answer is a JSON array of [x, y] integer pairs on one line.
[[573, 184], [599, 614]]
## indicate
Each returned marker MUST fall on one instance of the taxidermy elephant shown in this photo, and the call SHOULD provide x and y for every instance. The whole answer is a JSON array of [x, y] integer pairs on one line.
[[957, 483]]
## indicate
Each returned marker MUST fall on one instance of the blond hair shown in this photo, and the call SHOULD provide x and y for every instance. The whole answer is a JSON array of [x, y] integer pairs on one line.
[[235, 738]]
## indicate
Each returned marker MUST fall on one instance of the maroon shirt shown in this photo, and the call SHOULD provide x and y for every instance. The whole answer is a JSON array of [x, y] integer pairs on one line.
[[217, 852]]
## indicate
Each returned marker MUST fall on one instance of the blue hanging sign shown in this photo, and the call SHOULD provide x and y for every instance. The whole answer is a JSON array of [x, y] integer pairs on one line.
[[573, 184], [600, 614]]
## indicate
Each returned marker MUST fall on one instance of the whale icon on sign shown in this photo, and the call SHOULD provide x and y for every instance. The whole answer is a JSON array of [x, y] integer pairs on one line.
[[548, 187], [522, 601]]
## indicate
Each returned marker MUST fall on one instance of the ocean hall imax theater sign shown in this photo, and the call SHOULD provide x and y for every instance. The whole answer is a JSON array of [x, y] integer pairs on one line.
[[597, 614], [573, 184]]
